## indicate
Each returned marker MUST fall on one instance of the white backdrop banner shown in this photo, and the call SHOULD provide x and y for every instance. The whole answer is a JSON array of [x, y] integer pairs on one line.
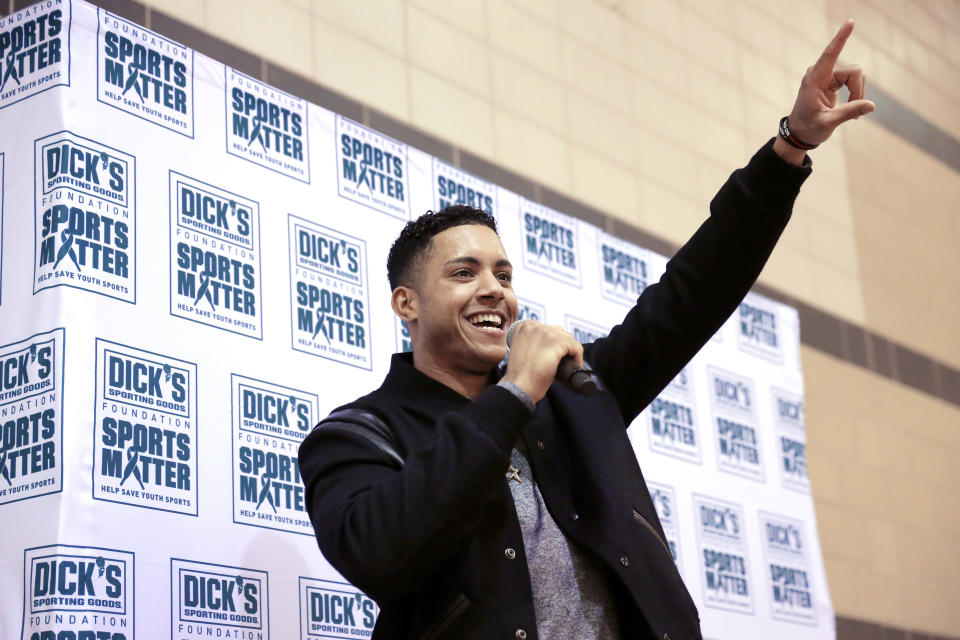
[[193, 273]]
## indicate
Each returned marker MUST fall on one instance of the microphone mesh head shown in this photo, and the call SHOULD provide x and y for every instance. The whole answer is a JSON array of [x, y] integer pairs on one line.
[[510, 331]]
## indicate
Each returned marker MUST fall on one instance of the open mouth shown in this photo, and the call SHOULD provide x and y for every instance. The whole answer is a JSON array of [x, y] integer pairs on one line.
[[488, 321]]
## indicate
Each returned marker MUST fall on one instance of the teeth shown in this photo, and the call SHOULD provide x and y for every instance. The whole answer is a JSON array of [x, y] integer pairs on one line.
[[486, 317]]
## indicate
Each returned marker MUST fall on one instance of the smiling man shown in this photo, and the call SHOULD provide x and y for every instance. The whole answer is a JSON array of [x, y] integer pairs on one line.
[[475, 502]]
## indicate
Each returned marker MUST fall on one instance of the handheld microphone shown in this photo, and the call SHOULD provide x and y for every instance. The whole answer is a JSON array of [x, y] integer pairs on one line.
[[568, 372]]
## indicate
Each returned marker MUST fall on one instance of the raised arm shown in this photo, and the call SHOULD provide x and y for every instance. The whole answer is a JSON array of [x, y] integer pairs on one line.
[[709, 276]]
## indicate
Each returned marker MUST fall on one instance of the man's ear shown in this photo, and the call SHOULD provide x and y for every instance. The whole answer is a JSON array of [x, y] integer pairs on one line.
[[405, 303]]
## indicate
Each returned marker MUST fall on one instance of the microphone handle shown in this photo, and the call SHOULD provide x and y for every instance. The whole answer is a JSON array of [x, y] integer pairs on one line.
[[577, 377]]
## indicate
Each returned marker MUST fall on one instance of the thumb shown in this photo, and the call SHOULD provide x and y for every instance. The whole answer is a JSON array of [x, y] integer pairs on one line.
[[851, 110]]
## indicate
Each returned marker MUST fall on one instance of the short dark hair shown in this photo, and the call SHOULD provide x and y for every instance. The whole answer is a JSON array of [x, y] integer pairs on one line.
[[408, 249]]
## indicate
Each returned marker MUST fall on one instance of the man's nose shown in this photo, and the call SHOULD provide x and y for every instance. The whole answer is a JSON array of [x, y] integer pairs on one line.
[[489, 285]]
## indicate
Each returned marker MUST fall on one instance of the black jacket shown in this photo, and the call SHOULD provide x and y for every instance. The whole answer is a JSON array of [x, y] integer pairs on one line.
[[427, 539]]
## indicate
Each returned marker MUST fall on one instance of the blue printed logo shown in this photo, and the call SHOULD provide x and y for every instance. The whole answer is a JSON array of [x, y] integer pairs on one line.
[[625, 269], [144, 74], [788, 572], [269, 422], [372, 169], [735, 424], [731, 392], [34, 50], [783, 536], [665, 502], [790, 430], [682, 382], [404, 342], [724, 563], [215, 257], [77, 592], [85, 218], [334, 610], [673, 428], [528, 310], [672, 421], [215, 600], [584, 332], [758, 329], [550, 242], [145, 433], [267, 126], [453, 186], [329, 299], [31, 414]]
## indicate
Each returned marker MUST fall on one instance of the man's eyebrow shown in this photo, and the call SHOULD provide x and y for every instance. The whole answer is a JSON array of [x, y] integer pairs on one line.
[[503, 262]]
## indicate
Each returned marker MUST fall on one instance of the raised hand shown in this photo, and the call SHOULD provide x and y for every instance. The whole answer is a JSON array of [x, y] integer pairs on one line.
[[816, 113]]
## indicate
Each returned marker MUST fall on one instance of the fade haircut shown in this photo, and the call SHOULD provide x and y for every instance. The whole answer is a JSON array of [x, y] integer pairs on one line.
[[412, 245]]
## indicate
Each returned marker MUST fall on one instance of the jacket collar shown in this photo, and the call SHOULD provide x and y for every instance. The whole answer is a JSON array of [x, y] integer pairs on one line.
[[412, 388]]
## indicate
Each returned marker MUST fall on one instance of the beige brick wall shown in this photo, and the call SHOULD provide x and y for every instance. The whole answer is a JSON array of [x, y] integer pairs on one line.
[[913, 49], [642, 108], [908, 232], [885, 482], [903, 201]]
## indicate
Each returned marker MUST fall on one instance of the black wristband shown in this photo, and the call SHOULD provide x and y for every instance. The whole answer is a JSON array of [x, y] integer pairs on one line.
[[791, 139]]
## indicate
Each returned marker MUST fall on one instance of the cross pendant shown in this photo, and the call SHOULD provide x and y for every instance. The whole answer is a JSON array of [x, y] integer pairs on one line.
[[514, 474]]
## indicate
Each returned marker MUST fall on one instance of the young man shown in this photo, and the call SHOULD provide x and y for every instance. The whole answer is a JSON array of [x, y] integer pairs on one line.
[[472, 503]]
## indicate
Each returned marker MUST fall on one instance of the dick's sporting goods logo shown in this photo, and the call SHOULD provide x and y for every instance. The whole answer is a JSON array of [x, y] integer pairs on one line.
[[77, 592], [267, 126], [583, 332], [217, 601], [145, 431], [789, 578], [215, 257], [528, 310], [144, 74], [736, 428], [625, 269], [453, 186], [34, 50], [334, 611], [759, 330], [269, 422], [790, 432], [682, 382], [672, 427], [724, 564], [550, 242], [31, 415], [372, 169], [329, 299], [665, 501], [85, 218]]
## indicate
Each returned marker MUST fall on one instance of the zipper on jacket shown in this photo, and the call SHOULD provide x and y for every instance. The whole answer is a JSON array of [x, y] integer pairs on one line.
[[639, 518], [459, 605]]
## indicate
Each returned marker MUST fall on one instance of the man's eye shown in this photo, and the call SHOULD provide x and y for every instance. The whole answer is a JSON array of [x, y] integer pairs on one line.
[[506, 277], [462, 273]]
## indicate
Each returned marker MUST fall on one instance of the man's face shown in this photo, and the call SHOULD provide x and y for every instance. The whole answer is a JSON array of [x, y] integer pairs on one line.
[[465, 300]]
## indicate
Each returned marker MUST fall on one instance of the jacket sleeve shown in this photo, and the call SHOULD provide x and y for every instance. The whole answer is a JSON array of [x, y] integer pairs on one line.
[[702, 285], [386, 528]]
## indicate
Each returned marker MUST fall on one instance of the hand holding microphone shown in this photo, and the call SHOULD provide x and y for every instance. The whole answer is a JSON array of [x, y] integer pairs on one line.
[[541, 354]]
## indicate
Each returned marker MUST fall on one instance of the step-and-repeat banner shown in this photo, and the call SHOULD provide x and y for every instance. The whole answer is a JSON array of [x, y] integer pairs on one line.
[[193, 274]]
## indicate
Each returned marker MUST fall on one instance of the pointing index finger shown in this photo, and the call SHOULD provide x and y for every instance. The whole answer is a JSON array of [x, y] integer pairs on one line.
[[823, 69]]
